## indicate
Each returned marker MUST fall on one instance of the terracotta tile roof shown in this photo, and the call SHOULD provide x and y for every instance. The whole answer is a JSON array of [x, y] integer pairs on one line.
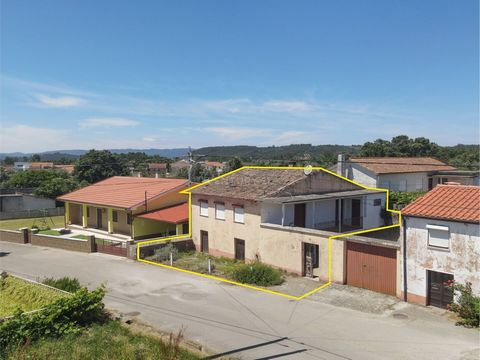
[[213, 164], [161, 166], [41, 165], [123, 191], [389, 165], [175, 214], [67, 168], [449, 202], [253, 184]]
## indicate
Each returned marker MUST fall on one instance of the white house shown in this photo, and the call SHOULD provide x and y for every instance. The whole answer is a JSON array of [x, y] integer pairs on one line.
[[441, 243], [407, 174]]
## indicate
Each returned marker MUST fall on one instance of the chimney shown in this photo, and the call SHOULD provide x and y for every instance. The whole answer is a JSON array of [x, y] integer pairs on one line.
[[156, 175], [139, 175], [341, 164]]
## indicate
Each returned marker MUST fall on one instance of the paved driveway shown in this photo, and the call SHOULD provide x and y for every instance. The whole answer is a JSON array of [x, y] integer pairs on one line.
[[247, 323]]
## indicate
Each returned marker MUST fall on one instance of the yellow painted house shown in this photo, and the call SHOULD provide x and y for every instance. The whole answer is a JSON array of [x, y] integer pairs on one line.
[[137, 207]]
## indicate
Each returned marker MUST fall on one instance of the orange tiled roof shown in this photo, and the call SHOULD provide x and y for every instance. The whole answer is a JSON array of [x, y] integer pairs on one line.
[[67, 168], [123, 191], [213, 163], [175, 214], [391, 165], [449, 202], [41, 165]]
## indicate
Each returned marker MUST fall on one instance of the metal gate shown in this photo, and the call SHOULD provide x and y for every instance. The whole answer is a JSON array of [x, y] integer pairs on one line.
[[112, 247], [372, 267]]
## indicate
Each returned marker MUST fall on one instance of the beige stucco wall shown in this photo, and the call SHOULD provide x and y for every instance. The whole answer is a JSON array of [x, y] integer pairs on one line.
[[272, 244], [75, 214]]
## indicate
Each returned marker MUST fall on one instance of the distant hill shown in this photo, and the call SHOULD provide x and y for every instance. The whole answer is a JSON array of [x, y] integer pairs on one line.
[[73, 154], [319, 153]]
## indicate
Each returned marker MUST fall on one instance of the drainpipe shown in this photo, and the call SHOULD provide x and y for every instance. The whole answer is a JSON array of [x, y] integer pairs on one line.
[[404, 232]]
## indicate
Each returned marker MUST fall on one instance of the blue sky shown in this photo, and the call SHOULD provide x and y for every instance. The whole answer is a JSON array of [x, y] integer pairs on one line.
[[158, 74]]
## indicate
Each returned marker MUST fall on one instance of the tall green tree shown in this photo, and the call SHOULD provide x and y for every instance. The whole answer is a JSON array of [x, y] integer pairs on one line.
[[34, 178], [56, 186], [234, 164], [98, 165]]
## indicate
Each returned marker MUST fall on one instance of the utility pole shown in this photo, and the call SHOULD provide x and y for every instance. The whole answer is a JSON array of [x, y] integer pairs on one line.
[[190, 160]]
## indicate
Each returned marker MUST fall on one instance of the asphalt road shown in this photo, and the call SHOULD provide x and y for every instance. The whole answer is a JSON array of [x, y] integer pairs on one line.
[[246, 323]]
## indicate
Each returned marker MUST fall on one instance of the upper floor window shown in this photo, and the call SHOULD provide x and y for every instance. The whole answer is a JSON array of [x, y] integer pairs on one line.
[[238, 214], [220, 211], [203, 208], [438, 236]]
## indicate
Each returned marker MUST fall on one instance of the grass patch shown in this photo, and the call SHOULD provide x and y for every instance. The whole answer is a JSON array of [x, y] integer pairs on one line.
[[65, 283], [15, 224], [20, 294], [81, 237], [255, 273], [102, 341]]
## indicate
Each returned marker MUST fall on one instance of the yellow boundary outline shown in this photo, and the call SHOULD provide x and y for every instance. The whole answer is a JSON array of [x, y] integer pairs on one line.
[[189, 235]]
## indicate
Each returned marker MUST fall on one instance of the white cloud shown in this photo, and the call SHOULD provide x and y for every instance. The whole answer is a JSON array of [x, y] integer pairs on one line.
[[149, 139], [60, 101], [287, 106], [107, 122], [238, 133], [28, 138]]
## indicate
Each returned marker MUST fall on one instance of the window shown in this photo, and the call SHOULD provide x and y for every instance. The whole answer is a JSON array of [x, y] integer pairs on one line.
[[220, 211], [377, 202], [419, 184], [115, 216], [88, 211], [438, 236], [238, 214], [204, 208], [129, 219], [402, 186]]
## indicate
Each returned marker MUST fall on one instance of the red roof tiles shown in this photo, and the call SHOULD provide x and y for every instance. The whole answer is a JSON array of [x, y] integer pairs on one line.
[[123, 191], [174, 214], [449, 202], [391, 165]]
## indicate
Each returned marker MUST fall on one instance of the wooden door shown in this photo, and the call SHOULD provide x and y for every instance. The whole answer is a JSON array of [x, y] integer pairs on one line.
[[439, 294], [240, 249], [204, 241], [372, 267], [99, 218], [299, 215], [356, 204]]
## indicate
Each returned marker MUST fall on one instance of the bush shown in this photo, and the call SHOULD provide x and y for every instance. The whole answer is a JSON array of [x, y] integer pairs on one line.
[[64, 283], [64, 316], [163, 253], [404, 198], [258, 274], [467, 305]]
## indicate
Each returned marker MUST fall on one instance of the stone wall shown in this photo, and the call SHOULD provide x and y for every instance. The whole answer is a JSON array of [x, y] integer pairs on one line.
[[19, 237], [87, 246]]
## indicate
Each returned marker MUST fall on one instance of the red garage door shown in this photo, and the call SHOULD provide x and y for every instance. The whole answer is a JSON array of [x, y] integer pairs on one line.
[[372, 267]]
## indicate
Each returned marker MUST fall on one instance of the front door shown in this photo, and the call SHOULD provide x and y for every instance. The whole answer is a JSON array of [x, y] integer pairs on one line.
[[204, 241], [356, 203], [240, 249], [99, 218], [439, 294], [299, 215]]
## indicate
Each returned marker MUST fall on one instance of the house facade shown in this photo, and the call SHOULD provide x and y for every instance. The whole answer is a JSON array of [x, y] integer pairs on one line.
[[284, 217], [407, 174], [442, 243], [135, 207]]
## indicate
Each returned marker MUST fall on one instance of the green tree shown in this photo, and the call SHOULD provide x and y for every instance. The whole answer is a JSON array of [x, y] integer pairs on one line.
[[56, 186], [8, 160], [233, 164], [98, 165], [35, 158], [34, 178]]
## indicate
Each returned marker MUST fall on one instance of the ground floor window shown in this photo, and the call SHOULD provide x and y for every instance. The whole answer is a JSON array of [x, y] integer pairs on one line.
[[203, 241], [185, 228], [115, 216]]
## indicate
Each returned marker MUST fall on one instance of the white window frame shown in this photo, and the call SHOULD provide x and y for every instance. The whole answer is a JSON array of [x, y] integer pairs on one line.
[[235, 208], [219, 211], [203, 210], [441, 229]]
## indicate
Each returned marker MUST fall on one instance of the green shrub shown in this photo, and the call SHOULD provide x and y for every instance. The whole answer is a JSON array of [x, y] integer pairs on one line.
[[467, 305], [403, 198], [65, 283], [163, 253], [258, 274], [64, 316]]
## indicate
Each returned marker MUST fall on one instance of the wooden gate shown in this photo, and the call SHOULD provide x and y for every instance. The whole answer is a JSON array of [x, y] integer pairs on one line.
[[439, 294], [372, 267], [112, 247]]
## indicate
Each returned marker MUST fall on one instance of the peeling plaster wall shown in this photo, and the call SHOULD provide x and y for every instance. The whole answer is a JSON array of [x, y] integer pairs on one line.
[[462, 259]]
